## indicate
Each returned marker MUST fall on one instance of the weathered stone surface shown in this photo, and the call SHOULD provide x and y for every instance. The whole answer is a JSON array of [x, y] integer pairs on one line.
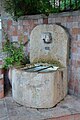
[[45, 89], [39, 90], [10, 110], [56, 50]]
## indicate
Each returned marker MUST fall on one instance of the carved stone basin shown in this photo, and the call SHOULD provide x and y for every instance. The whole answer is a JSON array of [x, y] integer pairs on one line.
[[39, 89], [43, 86]]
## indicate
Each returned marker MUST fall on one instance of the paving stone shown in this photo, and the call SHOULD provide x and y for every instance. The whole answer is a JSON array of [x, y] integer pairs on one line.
[[23, 118], [2, 104], [3, 109], [3, 112], [10, 110], [55, 112], [4, 118]]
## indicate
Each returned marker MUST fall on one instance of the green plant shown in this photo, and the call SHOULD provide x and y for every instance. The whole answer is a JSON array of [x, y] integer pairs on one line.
[[15, 54], [65, 5], [17, 8]]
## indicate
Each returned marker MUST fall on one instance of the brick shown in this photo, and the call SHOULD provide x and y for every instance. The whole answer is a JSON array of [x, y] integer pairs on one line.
[[63, 19], [40, 21], [1, 81], [1, 71], [78, 62], [73, 62], [79, 24], [78, 44], [73, 43], [1, 76], [1, 94], [25, 22], [69, 25], [25, 40], [14, 33], [74, 49], [76, 86], [51, 20], [77, 117], [36, 22], [69, 19], [1, 62], [75, 24], [71, 84], [31, 25], [64, 24], [78, 50], [76, 31], [15, 23], [20, 28], [9, 22], [45, 20], [73, 37], [58, 20], [20, 22], [76, 18], [14, 38], [78, 37], [1, 88]]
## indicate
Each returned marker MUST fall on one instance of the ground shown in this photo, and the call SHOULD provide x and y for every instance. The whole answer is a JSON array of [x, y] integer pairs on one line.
[[10, 110]]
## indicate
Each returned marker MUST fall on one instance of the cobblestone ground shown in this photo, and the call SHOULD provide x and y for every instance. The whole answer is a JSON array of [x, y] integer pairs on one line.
[[10, 110]]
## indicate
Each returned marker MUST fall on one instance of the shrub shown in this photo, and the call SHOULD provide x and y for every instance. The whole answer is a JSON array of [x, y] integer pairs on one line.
[[15, 54]]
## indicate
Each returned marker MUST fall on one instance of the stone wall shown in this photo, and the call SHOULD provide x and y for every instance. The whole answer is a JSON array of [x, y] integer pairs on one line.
[[70, 20]]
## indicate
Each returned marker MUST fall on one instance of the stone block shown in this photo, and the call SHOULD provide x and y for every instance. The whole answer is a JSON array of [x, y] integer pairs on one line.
[[78, 37], [69, 19], [9, 22], [69, 25], [45, 51], [1, 88], [76, 31], [75, 24], [40, 21], [39, 90], [45, 20], [14, 39]]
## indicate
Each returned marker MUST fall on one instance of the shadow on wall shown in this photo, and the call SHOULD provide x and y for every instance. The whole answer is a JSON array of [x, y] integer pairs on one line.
[[7, 85]]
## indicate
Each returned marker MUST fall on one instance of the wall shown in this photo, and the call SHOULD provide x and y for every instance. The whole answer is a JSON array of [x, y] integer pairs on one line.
[[1, 81], [70, 20]]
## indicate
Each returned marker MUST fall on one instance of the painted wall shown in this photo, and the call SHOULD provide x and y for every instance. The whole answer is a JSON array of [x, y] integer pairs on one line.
[[70, 20]]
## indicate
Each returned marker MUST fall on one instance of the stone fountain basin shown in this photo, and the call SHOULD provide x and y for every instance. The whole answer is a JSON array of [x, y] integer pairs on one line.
[[39, 89]]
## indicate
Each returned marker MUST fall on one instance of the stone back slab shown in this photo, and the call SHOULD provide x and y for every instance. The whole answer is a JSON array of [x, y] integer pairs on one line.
[[56, 50]]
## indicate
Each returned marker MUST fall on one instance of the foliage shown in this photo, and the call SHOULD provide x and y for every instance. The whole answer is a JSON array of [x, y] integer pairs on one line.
[[17, 8], [15, 55], [65, 5]]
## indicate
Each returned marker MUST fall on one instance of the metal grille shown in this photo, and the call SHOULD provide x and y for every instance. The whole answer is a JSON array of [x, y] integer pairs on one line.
[[41, 68], [65, 5]]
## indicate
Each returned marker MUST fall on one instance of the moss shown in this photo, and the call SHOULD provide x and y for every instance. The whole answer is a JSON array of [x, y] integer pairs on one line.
[[50, 61]]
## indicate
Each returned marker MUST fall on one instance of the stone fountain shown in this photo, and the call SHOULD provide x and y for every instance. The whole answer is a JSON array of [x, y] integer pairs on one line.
[[43, 84]]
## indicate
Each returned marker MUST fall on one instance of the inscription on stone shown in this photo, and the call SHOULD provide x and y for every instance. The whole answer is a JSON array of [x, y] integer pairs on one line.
[[47, 48]]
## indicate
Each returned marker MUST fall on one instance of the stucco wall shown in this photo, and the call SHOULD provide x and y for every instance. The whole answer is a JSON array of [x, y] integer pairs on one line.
[[70, 20]]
